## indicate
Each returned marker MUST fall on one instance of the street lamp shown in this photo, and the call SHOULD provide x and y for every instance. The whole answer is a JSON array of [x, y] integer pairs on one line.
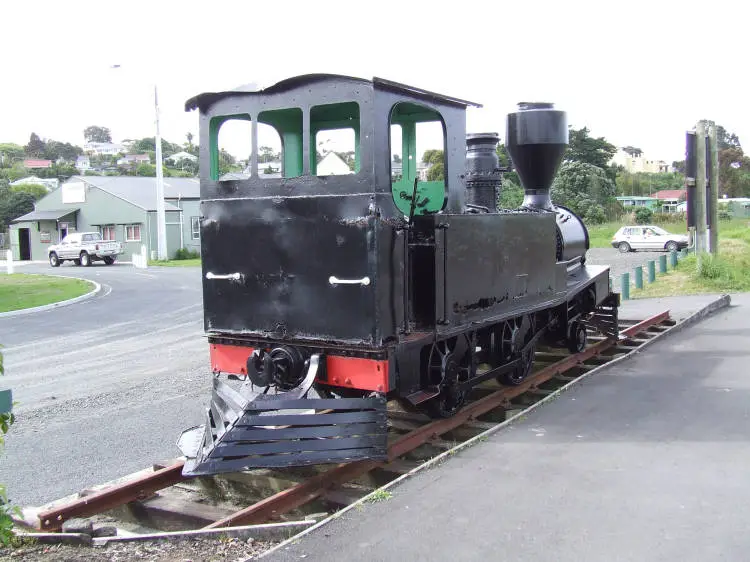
[[161, 221]]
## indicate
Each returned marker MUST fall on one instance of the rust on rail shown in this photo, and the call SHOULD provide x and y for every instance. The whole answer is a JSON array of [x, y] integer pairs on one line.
[[109, 498]]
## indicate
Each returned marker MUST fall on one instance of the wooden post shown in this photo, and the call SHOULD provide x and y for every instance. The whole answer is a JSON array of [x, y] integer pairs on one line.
[[700, 191], [714, 187]]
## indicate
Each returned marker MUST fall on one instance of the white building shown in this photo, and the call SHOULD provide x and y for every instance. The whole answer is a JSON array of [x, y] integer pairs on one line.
[[49, 183], [100, 148], [639, 163], [176, 158], [332, 165], [83, 163]]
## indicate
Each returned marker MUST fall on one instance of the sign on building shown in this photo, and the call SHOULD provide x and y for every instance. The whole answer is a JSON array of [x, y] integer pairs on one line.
[[45, 237], [74, 192]]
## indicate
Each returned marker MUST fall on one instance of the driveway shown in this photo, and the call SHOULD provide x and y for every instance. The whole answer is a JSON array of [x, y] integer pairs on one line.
[[104, 386], [623, 263]]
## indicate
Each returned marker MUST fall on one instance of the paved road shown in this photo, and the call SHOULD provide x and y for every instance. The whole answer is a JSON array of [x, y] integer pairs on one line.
[[647, 460], [81, 374], [622, 263]]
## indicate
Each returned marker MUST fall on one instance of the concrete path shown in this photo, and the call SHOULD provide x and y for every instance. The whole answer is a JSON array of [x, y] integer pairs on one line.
[[646, 460]]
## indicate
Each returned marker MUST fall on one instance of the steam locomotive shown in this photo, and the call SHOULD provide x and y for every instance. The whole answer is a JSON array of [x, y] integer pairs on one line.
[[327, 296]]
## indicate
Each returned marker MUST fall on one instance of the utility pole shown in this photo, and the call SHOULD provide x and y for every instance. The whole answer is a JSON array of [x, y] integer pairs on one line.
[[700, 191], [713, 181], [161, 221]]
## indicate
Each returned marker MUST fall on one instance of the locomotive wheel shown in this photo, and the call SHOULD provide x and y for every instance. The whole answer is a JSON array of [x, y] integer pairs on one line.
[[451, 363], [511, 339], [577, 337]]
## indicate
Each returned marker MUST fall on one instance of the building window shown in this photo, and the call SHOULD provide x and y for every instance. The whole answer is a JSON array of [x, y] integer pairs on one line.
[[133, 233], [195, 227], [108, 232]]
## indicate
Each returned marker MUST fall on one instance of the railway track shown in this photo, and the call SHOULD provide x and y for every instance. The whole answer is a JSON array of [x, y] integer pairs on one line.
[[161, 499]]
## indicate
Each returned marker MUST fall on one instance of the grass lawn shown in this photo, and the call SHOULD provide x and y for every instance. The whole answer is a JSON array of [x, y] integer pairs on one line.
[[729, 272], [601, 235], [21, 290], [176, 263]]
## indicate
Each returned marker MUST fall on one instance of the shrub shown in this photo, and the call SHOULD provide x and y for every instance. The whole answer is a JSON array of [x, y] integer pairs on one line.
[[6, 509], [185, 254], [644, 215]]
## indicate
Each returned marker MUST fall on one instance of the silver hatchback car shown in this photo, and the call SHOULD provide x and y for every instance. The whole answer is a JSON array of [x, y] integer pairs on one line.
[[647, 237]]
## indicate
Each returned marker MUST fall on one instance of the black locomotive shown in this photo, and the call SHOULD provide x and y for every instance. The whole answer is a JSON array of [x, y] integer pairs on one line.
[[327, 296]]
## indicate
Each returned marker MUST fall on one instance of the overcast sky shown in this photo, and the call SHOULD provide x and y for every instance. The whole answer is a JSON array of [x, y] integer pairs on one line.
[[638, 73]]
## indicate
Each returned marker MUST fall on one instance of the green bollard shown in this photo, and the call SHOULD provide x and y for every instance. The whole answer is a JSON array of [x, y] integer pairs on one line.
[[625, 285], [673, 259], [663, 263], [651, 271], [639, 277]]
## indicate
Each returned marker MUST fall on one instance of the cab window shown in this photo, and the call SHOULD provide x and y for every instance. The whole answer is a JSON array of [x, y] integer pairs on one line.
[[280, 143], [231, 144], [334, 142], [417, 149]]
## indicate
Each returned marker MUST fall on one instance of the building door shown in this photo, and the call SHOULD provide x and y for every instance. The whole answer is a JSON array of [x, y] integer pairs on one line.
[[24, 244], [63, 233]]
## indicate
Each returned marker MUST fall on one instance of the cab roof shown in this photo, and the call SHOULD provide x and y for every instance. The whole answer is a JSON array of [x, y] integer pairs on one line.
[[205, 100]]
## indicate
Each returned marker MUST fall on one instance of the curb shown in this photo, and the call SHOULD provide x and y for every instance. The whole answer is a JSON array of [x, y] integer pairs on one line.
[[721, 302], [97, 288]]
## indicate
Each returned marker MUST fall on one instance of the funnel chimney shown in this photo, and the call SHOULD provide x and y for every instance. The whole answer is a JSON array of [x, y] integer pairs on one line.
[[536, 137]]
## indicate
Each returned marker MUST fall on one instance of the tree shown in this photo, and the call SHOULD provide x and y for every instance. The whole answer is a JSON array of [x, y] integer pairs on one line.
[[584, 188], [13, 205], [632, 151], [146, 170], [36, 190], [723, 139], [436, 172], [432, 156], [64, 150], [189, 137], [9, 152], [643, 183], [148, 144], [587, 149], [267, 155], [396, 158], [505, 161], [36, 147], [511, 194], [94, 133], [644, 215]]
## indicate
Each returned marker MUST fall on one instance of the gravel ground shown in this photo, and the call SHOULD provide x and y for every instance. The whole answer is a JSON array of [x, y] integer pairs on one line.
[[623, 263], [187, 550]]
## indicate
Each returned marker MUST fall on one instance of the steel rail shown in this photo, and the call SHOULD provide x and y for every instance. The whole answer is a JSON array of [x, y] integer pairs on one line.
[[282, 502], [109, 498]]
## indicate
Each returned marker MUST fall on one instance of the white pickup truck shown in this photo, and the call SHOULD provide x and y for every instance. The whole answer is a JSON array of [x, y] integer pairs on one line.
[[83, 248]]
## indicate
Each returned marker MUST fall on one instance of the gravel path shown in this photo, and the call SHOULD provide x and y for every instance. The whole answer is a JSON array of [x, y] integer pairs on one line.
[[623, 263]]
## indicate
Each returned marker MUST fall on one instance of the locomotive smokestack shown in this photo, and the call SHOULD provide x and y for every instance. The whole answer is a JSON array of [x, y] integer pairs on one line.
[[482, 171], [537, 135]]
